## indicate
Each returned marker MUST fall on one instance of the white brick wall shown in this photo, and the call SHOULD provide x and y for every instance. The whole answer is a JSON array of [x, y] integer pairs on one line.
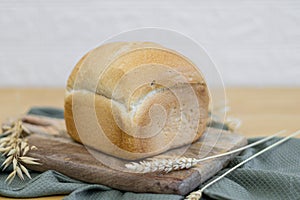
[[254, 43]]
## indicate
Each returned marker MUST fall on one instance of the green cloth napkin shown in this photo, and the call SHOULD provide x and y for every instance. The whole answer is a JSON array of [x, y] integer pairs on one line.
[[273, 175]]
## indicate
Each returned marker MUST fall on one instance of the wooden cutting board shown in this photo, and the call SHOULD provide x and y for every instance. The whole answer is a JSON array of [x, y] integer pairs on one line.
[[57, 151]]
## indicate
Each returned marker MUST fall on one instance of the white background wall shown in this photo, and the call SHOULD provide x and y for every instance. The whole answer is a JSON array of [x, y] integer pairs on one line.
[[254, 43]]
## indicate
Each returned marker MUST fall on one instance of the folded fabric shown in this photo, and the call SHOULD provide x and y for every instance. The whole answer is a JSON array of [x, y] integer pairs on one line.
[[273, 175]]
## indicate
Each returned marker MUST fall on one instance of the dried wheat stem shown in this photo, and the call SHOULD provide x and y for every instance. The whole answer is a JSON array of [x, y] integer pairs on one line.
[[171, 164], [233, 123], [197, 194], [243, 148], [162, 165], [15, 147]]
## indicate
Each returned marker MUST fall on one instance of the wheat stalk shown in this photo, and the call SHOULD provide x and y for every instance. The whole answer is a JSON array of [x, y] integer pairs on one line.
[[14, 147], [233, 123], [171, 164], [198, 194], [162, 165]]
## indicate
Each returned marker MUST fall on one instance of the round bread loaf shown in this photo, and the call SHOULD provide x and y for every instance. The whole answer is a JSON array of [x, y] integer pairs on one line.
[[132, 100]]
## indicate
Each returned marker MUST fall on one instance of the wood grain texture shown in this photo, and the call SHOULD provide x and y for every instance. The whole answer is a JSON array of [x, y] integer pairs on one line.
[[263, 111], [57, 151], [72, 159]]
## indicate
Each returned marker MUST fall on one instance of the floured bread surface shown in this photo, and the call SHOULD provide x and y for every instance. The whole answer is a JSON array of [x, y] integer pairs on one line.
[[135, 99]]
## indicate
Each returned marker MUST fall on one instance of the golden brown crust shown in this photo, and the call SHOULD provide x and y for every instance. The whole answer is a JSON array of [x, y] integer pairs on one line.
[[123, 113], [74, 72]]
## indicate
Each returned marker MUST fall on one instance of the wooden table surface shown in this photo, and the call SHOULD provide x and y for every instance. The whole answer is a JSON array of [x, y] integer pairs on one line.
[[262, 111]]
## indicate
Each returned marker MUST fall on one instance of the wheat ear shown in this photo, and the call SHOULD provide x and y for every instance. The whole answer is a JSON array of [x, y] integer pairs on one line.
[[197, 194], [171, 164], [14, 147]]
